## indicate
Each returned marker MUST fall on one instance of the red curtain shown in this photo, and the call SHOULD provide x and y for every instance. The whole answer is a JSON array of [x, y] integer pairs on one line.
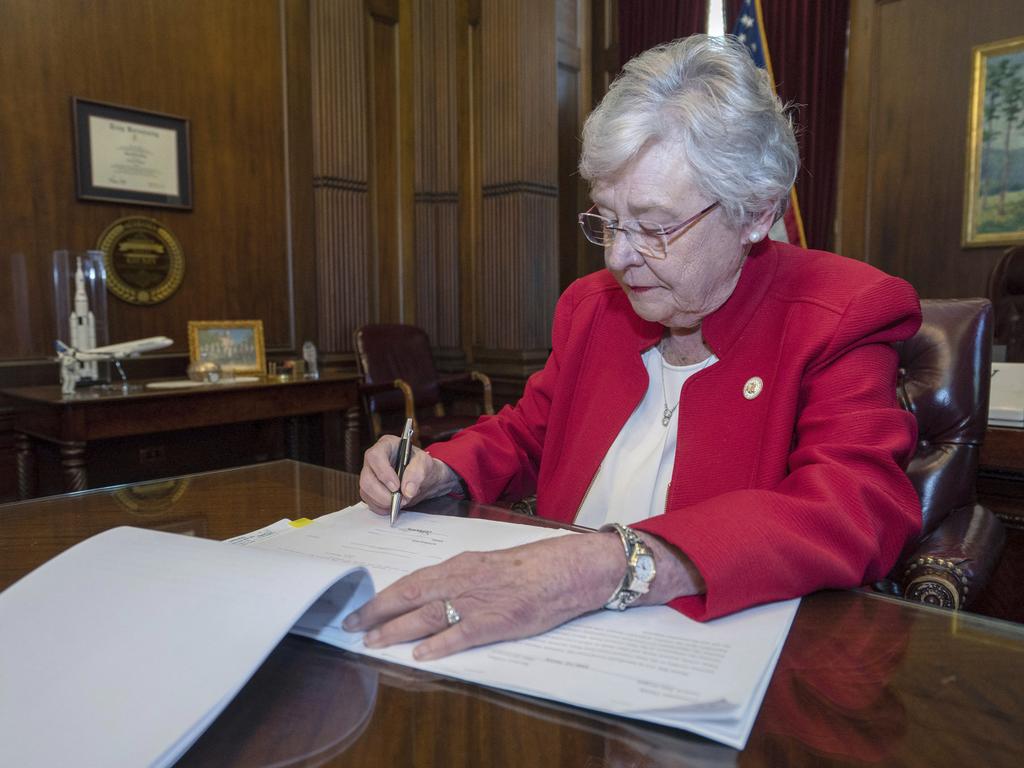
[[646, 23], [807, 45]]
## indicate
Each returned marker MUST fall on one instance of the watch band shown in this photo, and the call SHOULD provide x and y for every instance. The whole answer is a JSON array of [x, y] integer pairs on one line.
[[637, 581]]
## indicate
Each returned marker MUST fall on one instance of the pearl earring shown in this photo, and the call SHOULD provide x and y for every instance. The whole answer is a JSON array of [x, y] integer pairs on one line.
[[755, 236]]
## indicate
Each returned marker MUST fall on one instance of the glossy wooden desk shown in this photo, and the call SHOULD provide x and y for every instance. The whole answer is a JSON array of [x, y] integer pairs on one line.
[[69, 424], [863, 679]]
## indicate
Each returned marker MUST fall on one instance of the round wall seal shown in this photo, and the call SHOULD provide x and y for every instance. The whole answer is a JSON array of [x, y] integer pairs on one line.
[[145, 263]]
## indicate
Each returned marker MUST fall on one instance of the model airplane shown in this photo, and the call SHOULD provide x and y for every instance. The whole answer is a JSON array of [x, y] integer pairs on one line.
[[71, 357], [116, 351]]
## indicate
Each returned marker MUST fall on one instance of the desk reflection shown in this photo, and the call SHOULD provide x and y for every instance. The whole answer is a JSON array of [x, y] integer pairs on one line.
[[862, 679], [307, 704], [830, 695]]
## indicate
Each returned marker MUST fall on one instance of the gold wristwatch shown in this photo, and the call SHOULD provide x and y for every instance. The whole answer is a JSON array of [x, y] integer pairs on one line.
[[640, 569]]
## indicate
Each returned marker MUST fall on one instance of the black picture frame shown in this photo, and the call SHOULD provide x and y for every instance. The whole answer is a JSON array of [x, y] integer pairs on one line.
[[135, 119]]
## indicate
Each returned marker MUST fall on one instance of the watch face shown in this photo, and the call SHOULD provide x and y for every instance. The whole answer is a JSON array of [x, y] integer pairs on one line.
[[644, 568]]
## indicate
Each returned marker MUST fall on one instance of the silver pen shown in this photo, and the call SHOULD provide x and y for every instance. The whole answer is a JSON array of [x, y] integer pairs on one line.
[[401, 462]]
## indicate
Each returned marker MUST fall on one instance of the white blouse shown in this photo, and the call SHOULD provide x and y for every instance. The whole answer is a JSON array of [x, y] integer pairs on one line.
[[632, 481]]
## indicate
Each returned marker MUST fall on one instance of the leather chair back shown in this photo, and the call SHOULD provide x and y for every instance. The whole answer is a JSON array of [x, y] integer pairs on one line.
[[389, 351], [1006, 292], [944, 381]]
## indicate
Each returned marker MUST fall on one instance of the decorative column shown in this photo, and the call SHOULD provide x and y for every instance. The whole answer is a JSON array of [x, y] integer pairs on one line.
[[516, 271], [437, 29], [345, 275]]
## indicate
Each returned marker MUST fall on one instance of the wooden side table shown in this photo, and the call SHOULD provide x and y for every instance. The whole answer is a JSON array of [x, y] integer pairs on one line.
[[69, 426]]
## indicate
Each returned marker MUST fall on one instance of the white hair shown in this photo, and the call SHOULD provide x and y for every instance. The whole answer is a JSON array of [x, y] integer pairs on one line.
[[707, 96]]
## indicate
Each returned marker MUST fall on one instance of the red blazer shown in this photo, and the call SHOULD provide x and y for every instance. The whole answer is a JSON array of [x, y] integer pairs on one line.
[[799, 488]]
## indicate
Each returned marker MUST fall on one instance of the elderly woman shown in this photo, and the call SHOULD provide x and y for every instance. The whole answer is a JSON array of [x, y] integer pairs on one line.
[[719, 406]]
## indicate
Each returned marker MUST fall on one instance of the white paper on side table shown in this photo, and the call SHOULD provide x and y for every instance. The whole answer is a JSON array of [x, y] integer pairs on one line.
[[157, 632], [1006, 395]]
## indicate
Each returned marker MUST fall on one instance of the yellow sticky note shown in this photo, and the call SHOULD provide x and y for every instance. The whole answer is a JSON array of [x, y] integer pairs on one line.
[[301, 522]]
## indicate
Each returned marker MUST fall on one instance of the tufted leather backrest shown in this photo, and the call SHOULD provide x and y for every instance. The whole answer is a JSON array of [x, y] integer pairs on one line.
[[389, 351], [944, 381]]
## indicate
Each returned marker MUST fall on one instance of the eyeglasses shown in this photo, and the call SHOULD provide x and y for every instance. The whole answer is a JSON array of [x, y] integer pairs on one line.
[[650, 239]]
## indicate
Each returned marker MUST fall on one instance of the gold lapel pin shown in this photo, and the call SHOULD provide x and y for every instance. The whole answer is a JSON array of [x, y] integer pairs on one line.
[[753, 387]]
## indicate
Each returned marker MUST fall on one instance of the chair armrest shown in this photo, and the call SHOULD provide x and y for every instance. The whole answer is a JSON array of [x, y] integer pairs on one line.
[[461, 384], [951, 566], [367, 391], [410, 401]]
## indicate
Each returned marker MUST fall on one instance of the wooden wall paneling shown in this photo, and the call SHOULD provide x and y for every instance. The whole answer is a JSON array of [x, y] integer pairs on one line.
[[436, 179], [908, 148], [389, 66], [518, 272], [855, 140], [915, 138], [407, 153], [574, 70], [382, 79], [301, 222], [425, 94], [469, 78], [345, 274], [234, 238], [217, 64], [25, 314], [604, 47]]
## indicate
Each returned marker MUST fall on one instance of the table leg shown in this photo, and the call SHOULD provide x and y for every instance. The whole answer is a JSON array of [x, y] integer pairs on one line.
[[72, 464], [25, 458], [353, 459]]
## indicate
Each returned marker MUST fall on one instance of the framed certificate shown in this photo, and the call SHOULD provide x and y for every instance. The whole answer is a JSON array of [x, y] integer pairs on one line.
[[125, 155]]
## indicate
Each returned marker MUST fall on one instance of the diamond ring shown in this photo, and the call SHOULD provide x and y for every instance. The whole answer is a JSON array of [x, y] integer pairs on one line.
[[451, 614]]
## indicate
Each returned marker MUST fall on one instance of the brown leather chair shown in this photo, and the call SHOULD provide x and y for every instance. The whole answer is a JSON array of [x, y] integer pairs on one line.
[[1006, 292], [944, 381], [400, 382]]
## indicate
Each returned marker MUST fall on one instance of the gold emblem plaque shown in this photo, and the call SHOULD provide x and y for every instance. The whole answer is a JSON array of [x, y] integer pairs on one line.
[[145, 263]]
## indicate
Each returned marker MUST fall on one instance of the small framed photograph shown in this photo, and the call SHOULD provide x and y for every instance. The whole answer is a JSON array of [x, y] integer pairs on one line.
[[994, 188], [235, 345], [125, 155]]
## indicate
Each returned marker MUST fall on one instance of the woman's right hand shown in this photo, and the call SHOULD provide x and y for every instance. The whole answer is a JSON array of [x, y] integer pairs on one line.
[[425, 477]]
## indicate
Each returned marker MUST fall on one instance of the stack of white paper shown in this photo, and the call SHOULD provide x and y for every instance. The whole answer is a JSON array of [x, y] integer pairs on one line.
[[131, 643]]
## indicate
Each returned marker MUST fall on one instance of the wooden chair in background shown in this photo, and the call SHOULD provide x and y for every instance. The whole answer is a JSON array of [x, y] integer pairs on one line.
[[400, 381]]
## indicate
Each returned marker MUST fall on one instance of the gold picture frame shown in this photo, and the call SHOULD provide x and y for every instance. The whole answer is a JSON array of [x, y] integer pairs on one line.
[[994, 184], [235, 345]]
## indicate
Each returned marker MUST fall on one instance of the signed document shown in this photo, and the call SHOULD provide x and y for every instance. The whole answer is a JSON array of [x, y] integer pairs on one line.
[[651, 663], [180, 624]]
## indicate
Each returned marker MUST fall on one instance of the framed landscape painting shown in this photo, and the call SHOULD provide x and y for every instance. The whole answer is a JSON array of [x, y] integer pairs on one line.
[[994, 188]]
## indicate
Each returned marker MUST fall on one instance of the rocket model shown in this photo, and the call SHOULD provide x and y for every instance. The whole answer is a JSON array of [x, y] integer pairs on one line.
[[83, 326]]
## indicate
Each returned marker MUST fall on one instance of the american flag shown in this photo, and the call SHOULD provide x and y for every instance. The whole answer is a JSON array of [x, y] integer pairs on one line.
[[749, 30]]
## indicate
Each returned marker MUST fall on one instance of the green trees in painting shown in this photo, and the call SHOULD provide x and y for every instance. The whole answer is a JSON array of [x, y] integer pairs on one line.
[[1001, 187]]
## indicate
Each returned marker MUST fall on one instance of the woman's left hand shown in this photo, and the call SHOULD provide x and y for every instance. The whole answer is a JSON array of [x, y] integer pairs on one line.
[[500, 595]]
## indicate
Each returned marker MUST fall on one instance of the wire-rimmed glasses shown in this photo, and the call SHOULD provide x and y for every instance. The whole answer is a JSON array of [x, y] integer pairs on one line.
[[650, 239]]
